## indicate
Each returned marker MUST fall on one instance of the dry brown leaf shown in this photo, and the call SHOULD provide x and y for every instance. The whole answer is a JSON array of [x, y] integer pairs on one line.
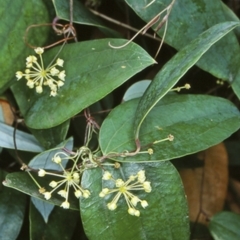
[[206, 186], [7, 112], [233, 197]]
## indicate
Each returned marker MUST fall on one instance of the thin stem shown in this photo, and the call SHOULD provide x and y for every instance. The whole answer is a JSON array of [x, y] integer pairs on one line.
[[121, 24]]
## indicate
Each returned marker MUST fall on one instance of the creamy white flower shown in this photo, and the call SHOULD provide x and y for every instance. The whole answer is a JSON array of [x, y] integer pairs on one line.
[[19, 75], [78, 193], [39, 89], [57, 159], [62, 193], [65, 205], [112, 206], [41, 173], [39, 50], [107, 175], [60, 62], [86, 194], [47, 195], [53, 184], [144, 203]]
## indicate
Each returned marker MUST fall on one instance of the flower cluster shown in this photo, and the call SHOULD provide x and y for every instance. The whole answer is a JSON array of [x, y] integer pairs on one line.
[[134, 183], [37, 75], [68, 179]]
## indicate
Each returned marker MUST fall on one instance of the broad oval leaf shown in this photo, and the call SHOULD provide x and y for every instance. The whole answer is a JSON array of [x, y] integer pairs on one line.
[[177, 67], [196, 122], [89, 77], [166, 216], [225, 225]]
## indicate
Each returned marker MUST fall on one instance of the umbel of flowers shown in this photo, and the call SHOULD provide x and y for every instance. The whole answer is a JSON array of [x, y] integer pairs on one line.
[[134, 183], [67, 180], [37, 75]]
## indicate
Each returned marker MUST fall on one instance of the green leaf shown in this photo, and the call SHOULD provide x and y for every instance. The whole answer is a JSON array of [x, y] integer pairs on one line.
[[12, 210], [166, 217], [81, 15], [136, 90], [196, 122], [44, 208], [22, 182], [24, 141], [61, 224], [177, 67], [51, 137], [89, 77], [236, 84], [16, 16], [225, 225], [186, 23], [44, 159]]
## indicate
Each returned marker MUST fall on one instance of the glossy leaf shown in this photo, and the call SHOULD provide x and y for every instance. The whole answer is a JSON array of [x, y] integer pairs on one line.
[[177, 67], [51, 137], [225, 225], [89, 77], [61, 224], [44, 159], [24, 141], [186, 23], [166, 217], [136, 90], [196, 122], [81, 15], [12, 210], [22, 182], [44, 208], [16, 16]]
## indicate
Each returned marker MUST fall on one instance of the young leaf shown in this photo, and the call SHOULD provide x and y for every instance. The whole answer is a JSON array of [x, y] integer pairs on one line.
[[176, 68], [89, 77], [165, 217], [225, 225], [196, 122]]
